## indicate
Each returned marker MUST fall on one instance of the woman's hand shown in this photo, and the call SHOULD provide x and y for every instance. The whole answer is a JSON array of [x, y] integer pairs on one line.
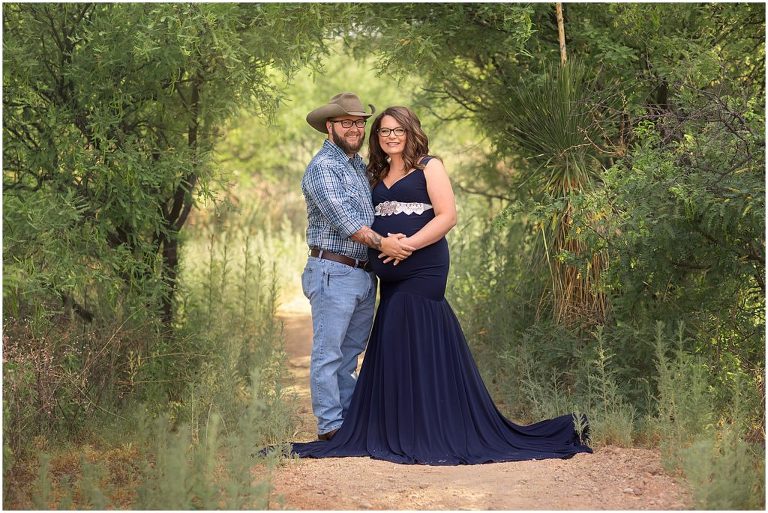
[[393, 247]]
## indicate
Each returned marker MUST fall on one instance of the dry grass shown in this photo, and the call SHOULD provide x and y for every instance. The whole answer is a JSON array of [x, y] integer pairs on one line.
[[121, 478]]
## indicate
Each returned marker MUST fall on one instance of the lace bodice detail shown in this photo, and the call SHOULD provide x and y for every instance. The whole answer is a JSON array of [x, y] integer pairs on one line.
[[388, 208]]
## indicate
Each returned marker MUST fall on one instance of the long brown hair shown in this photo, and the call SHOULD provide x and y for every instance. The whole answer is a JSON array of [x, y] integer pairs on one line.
[[416, 144]]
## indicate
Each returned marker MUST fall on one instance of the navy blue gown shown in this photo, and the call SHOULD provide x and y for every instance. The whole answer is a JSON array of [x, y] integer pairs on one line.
[[419, 397]]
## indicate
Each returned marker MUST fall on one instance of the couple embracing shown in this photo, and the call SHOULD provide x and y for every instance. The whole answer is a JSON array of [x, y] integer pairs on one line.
[[419, 397]]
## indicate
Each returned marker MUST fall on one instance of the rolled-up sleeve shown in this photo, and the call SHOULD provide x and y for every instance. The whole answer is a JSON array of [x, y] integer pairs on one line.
[[325, 186]]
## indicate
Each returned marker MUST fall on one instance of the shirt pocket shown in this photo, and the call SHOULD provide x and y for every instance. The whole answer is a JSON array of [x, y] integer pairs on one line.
[[353, 195]]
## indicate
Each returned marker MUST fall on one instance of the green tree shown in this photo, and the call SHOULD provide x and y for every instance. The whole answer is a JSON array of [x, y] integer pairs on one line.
[[683, 222], [554, 132], [110, 115], [661, 132], [475, 56]]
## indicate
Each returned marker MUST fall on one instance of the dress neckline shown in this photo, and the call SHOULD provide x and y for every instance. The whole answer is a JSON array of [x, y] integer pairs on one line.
[[389, 187]]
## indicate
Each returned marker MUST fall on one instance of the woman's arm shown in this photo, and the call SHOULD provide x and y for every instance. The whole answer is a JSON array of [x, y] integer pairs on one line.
[[443, 202]]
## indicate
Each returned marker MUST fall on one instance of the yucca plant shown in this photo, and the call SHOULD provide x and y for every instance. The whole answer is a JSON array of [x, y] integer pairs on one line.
[[548, 123]]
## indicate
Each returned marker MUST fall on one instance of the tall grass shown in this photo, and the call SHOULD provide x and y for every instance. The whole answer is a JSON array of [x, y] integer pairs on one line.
[[199, 403], [724, 469]]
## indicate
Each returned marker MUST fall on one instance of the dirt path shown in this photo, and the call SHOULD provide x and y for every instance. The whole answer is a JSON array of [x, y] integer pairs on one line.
[[611, 478]]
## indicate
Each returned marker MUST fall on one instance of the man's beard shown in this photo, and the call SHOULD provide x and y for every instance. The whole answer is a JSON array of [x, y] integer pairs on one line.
[[339, 141]]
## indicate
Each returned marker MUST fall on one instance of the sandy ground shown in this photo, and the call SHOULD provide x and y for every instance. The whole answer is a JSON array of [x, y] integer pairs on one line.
[[612, 478]]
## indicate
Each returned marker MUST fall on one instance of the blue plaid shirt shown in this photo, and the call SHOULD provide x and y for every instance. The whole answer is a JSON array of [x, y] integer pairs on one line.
[[338, 200]]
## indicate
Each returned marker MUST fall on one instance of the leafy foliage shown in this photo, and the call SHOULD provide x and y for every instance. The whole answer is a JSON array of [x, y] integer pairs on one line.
[[111, 113], [674, 115], [684, 223], [639, 169]]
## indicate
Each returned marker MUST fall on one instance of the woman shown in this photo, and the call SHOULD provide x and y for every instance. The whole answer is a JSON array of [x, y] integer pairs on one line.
[[420, 397]]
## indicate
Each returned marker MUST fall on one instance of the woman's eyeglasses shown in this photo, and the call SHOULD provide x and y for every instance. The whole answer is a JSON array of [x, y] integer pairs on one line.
[[347, 123], [384, 132]]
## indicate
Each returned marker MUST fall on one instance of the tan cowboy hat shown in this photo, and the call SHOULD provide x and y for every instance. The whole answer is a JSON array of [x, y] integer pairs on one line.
[[343, 104]]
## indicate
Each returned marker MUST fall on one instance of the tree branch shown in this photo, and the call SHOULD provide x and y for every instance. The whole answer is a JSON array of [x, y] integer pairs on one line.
[[466, 189]]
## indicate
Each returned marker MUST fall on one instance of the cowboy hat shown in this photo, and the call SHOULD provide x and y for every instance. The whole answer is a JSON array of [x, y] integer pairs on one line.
[[343, 104]]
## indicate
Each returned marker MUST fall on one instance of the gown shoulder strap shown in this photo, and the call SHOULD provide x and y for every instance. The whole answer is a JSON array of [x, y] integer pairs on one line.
[[425, 160]]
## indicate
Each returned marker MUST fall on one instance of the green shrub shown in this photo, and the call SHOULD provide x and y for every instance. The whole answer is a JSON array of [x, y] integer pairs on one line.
[[42, 488], [199, 402], [684, 403], [725, 471], [612, 416]]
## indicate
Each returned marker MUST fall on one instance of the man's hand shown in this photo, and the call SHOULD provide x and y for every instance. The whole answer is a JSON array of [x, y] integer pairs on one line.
[[395, 247]]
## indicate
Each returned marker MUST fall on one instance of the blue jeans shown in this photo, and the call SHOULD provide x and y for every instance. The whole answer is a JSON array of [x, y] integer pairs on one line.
[[342, 299]]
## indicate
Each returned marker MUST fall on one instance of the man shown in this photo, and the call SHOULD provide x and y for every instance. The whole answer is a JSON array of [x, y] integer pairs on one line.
[[336, 279]]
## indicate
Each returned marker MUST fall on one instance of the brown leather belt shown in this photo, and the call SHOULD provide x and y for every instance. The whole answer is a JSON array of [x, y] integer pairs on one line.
[[327, 255]]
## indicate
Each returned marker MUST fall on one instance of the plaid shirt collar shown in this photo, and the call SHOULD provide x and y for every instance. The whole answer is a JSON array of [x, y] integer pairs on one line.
[[356, 161]]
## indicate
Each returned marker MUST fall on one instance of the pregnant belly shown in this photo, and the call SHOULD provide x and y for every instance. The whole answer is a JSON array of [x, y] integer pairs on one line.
[[430, 260], [401, 223]]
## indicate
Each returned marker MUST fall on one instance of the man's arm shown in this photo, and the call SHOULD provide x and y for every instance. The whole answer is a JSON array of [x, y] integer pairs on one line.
[[368, 237]]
